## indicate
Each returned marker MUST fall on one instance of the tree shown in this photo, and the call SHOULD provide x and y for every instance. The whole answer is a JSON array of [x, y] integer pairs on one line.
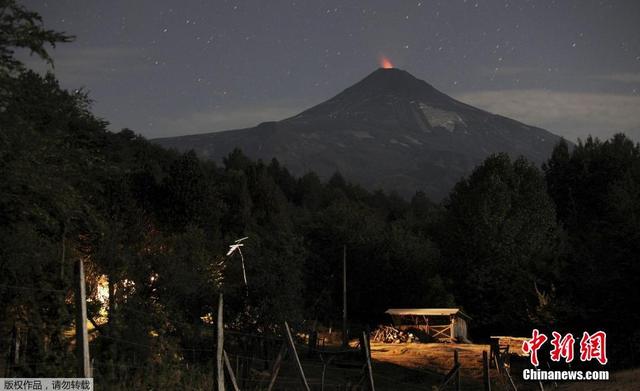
[[22, 28], [499, 239], [188, 194], [596, 190]]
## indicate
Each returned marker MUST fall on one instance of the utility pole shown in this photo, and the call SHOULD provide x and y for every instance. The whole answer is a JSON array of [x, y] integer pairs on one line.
[[345, 337], [82, 337]]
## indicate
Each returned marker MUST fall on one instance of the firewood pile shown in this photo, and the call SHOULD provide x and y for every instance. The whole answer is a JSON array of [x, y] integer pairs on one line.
[[390, 334]]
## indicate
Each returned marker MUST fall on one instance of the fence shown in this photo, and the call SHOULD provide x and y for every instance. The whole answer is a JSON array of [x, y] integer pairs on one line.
[[250, 362]]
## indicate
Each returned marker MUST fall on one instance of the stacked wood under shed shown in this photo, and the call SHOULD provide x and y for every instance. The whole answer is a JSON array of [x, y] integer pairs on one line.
[[390, 334]]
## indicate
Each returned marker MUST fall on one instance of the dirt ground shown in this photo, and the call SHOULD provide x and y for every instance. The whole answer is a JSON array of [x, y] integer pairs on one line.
[[431, 356], [437, 358]]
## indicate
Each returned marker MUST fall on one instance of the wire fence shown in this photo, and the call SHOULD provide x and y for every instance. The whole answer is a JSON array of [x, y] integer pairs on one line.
[[252, 356], [252, 371]]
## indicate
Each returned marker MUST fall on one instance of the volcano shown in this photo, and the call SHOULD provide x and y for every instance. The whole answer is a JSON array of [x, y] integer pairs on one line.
[[389, 131]]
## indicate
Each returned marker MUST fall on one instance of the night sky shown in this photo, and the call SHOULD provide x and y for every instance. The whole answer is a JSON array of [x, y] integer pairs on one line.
[[165, 68]]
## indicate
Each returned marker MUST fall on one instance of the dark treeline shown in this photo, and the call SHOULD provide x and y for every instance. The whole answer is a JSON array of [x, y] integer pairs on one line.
[[514, 245]]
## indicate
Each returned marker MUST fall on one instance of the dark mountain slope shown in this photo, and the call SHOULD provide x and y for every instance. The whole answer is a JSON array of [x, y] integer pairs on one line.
[[390, 130]]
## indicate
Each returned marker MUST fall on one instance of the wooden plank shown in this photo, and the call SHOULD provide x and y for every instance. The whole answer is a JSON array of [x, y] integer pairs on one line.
[[232, 376], [441, 332], [82, 336], [276, 366], [220, 346], [367, 353], [292, 348]]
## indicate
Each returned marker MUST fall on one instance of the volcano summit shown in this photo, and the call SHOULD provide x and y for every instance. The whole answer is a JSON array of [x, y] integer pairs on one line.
[[390, 131]]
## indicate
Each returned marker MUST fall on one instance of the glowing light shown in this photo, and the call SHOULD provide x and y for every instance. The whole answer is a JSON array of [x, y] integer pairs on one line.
[[385, 63]]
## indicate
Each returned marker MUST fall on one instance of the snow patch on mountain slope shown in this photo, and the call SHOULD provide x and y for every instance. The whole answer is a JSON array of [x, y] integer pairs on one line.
[[442, 118]]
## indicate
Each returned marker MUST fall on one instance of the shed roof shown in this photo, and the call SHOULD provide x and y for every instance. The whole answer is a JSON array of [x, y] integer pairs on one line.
[[426, 312]]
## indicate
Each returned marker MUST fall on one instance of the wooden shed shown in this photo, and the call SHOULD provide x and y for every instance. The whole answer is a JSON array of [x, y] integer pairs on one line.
[[443, 324]]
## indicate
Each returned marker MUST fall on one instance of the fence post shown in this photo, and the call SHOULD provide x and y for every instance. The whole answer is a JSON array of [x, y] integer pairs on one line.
[[230, 371], [220, 346], [313, 343], [485, 371], [15, 345], [276, 366], [345, 333], [292, 347], [82, 337], [513, 384], [367, 353]]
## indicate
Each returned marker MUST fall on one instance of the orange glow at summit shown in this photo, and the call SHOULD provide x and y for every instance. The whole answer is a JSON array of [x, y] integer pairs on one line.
[[385, 63]]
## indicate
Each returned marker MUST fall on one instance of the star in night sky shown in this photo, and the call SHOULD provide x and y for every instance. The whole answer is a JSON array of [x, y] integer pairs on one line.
[[165, 68]]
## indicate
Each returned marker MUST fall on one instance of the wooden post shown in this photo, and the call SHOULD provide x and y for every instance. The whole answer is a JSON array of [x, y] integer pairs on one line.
[[15, 339], [64, 250], [220, 346], [292, 348], [367, 353], [82, 337], [492, 352], [485, 371], [232, 376], [451, 375], [11, 358], [345, 336], [456, 363], [276, 366], [513, 385], [324, 369], [453, 322], [237, 365], [313, 343]]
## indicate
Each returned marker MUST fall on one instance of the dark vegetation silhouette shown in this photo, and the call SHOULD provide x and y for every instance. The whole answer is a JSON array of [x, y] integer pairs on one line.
[[517, 247]]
